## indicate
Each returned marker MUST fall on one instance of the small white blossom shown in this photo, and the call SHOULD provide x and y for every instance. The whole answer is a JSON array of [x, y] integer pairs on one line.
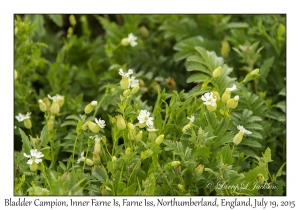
[[81, 157], [131, 39], [123, 74], [192, 118], [232, 88], [54, 98], [22, 117], [94, 103], [152, 129], [34, 156], [236, 98], [133, 82], [243, 130], [100, 122], [144, 117], [209, 99], [96, 137]]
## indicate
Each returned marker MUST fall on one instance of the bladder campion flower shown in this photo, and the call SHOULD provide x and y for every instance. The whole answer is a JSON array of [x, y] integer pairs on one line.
[[90, 107], [42, 105], [94, 127], [34, 159], [131, 39], [145, 119], [26, 118], [209, 101], [86, 160], [54, 109], [189, 125], [125, 82], [133, 82], [227, 93], [97, 147], [239, 136], [232, 103]]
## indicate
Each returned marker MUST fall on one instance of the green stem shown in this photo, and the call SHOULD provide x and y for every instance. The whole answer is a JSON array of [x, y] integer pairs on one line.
[[74, 149], [99, 104]]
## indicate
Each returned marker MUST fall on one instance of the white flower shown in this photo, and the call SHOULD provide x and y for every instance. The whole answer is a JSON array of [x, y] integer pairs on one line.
[[59, 97], [96, 137], [123, 74], [34, 156], [133, 82], [81, 157], [54, 98], [94, 103], [131, 39], [232, 88], [243, 130], [192, 118], [236, 98], [209, 99], [22, 117], [144, 117], [100, 122], [152, 129]]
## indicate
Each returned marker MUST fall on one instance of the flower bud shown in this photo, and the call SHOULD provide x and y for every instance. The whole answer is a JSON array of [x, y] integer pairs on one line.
[[216, 95], [159, 139], [255, 72], [72, 20], [135, 90], [144, 31], [27, 123], [175, 163], [114, 158], [124, 83], [211, 108], [187, 126], [54, 109], [225, 48], [121, 125], [260, 178], [42, 106], [33, 166], [96, 158], [70, 32], [146, 154], [180, 187], [139, 136], [125, 42], [90, 107], [232, 103], [226, 96], [217, 72], [126, 92], [93, 127], [238, 138], [127, 151], [88, 161], [199, 170], [15, 74]]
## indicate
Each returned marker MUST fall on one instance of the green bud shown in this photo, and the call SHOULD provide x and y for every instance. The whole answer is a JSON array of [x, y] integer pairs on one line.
[[127, 151], [125, 42], [139, 136], [93, 127], [199, 170], [16, 74], [72, 20], [90, 107], [124, 83], [54, 109], [217, 72], [187, 126], [159, 139], [146, 154], [27, 123], [121, 125], [180, 187], [114, 158], [42, 106], [135, 90], [175, 163], [126, 92], [144, 31], [96, 158], [260, 178]]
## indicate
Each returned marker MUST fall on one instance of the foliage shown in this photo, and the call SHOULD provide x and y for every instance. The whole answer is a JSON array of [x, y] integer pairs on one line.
[[90, 125]]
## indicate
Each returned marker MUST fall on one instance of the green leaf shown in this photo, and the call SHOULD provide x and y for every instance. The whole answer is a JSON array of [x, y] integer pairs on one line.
[[73, 117], [197, 78], [268, 155], [203, 153], [278, 174], [131, 190], [210, 119], [57, 19], [69, 122], [227, 155], [227, 138], [26, 146], [265, 68], [99, 174], [251, 143], [282, 106], [283, 92], [46, 152]]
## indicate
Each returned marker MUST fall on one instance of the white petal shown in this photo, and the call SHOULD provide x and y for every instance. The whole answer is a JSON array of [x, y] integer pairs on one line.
[[28, 156], [121, 72], [29, 161], [232, 88], [38, 160], [236, 98]]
